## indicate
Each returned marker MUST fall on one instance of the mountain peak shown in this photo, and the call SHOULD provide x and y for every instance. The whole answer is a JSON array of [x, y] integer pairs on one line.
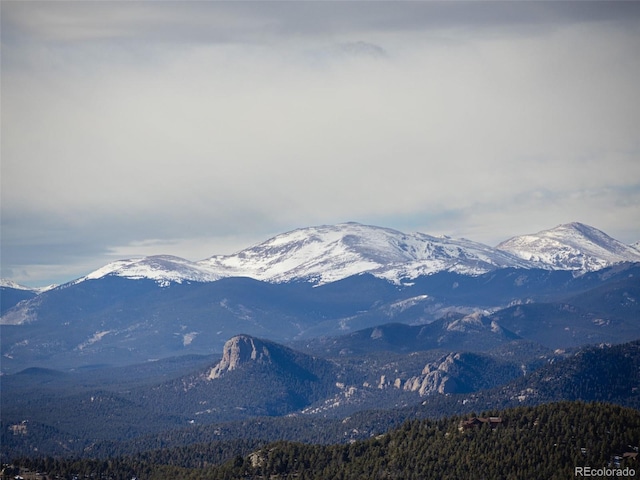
[[161, 268], [570, 246], [6, 283], [240, 350], [581, 229], [327, 253]]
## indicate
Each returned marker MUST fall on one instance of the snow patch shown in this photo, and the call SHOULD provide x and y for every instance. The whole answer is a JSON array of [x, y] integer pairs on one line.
[[94, 339], [187, 338], [164, 269]]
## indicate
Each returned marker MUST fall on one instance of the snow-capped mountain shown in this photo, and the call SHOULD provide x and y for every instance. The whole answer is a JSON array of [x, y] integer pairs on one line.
[[324, 254], [164, 269], [11, 284], [6, 283], [12, 293], [328, 253], [571, 246]]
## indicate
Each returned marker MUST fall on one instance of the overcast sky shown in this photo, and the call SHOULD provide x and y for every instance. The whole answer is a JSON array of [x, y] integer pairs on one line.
[[202, 128]]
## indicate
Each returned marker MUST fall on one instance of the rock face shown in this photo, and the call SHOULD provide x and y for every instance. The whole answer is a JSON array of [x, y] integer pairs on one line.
[[237, 351], [460, 373], [437, 377]]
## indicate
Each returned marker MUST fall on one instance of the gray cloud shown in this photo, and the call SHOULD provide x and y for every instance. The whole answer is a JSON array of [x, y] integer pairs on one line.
[[200, 128], [230, 22]]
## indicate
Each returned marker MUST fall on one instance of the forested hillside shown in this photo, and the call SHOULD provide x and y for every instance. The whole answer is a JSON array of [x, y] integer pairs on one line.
[[548, 441]]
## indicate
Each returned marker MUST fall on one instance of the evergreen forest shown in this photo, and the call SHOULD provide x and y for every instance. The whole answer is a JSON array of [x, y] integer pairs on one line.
[[549, 441]]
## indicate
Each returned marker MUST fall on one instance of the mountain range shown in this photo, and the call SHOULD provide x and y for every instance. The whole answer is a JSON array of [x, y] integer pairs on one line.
[[263, 390], [326, 254], [329, 253], [325, 334], [328, 281]]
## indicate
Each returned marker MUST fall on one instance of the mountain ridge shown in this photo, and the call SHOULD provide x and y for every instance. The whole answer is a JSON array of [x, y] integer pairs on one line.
[[327, 253], [331, 252], [571, 246], [408, 386], [115, 320]]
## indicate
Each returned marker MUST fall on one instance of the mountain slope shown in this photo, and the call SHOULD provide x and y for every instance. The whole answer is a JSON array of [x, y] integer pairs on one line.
[[571, 246], [473, 333], [117, 321], [254, 377], [555, 441], [603, 373], [607, 312], [283, 380], [11, 294], [545, 442], [332, 252], [161, 268]]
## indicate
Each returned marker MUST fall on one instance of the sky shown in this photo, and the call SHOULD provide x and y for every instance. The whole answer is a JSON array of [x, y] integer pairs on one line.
[[202, 128]]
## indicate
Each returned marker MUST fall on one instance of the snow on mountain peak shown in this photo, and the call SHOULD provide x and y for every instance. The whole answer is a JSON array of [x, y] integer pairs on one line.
[[6, 283], [326, 253], [331, 252], [570, 246], [164, 269]]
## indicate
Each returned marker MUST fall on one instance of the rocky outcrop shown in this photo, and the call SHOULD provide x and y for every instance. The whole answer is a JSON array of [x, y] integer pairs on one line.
[[461, 373], [436, 377], [237, 351]]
